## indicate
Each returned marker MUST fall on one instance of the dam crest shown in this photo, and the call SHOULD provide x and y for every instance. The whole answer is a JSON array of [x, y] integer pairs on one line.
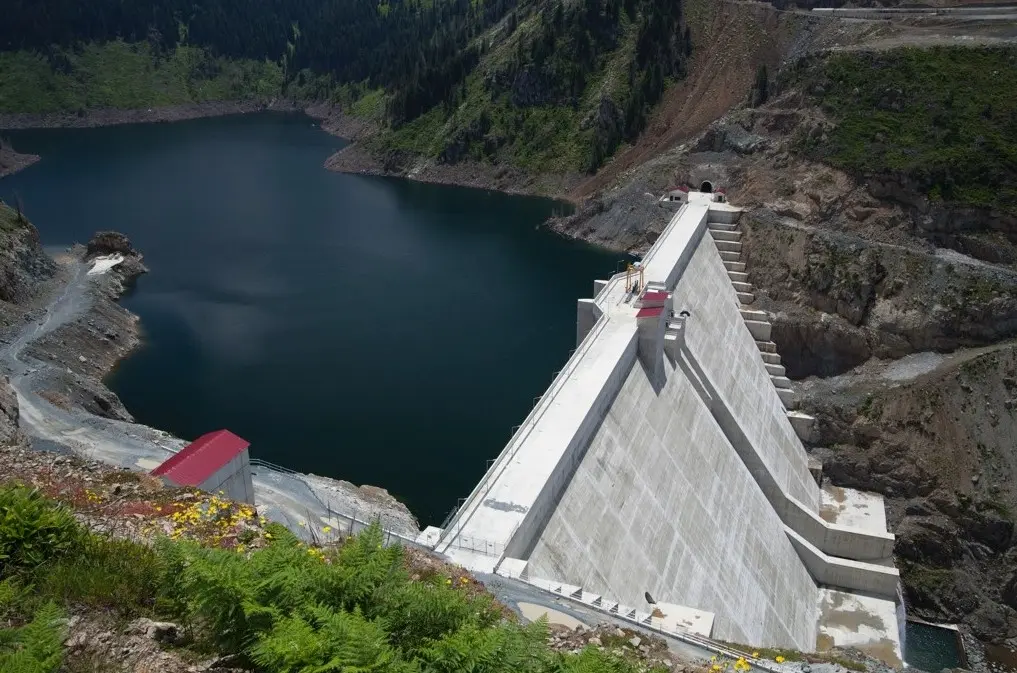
[[662, 476]]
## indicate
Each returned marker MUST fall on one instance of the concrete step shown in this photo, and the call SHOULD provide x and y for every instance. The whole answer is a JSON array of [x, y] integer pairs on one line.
[[806, 428], [787, 396], [733, 246], [724, 216], [766, 346], [721, 226], [781, 381], [742, 287], [746, 298], [738, 267], [729, 256], [770, 358], [774, 369], [726, 235], [760, 330], [749, 314], [738, 276]]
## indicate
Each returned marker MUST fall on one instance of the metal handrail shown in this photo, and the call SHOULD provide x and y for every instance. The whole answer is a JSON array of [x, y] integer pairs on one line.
[[258, 462]]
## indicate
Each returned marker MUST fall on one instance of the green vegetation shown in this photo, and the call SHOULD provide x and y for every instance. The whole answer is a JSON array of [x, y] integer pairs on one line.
[[129, 76], [944, 119], [286, 607], [558, 90], [545, 85]]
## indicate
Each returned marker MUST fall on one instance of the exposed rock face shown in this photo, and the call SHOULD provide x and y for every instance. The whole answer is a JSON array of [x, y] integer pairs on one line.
[[940, 449], [23, 264], [9, 433], [841, 299]]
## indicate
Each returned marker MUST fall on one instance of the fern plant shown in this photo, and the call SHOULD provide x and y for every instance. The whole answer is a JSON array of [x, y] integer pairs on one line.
[[35, 647], [33, 529]]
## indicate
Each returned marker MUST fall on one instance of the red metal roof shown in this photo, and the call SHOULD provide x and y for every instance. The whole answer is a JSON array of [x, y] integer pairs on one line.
[[650, 312], [200, 459]]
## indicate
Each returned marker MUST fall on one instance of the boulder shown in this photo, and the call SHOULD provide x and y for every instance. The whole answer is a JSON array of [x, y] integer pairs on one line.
[[163, 632], [109, 243]]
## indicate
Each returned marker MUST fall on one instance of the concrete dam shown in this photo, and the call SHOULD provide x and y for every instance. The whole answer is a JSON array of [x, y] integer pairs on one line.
[[662, 478]]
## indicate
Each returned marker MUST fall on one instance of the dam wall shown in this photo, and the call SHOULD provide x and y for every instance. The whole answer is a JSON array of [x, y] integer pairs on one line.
[[717, 338], [663, 505], [661, 468]]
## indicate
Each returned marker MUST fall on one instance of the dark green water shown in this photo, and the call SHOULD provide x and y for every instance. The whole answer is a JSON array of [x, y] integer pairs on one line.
[[380, 331], [931, 648]]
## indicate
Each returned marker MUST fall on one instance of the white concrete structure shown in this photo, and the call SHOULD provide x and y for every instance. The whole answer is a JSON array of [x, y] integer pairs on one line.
[[662, 463]]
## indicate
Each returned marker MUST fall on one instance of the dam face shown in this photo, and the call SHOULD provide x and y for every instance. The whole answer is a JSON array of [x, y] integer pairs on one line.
[[661, 477]]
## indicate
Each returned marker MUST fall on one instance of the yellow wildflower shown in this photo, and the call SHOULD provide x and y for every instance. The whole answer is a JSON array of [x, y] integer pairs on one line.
[[448, 581], [779, 659], [716, 667], [755, 654], [326, 529]]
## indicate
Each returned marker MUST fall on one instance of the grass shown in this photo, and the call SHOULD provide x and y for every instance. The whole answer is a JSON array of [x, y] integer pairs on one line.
[[944, 118], [129, 76]]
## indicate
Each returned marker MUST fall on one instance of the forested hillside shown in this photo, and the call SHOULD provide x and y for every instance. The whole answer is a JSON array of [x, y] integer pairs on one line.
[[460, 78]]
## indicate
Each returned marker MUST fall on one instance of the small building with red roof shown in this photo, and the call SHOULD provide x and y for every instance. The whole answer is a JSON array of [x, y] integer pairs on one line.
[[216, 461]]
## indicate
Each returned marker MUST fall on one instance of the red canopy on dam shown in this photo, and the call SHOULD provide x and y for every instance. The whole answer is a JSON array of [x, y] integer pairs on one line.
[[202, 458]]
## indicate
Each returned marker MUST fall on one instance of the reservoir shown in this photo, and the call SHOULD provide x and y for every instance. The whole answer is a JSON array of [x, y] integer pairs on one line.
[[375, 330]]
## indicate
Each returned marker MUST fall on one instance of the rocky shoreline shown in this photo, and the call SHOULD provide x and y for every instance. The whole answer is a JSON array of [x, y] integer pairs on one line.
[[16, 121], [12, 161], [354, 159], [358, 159]]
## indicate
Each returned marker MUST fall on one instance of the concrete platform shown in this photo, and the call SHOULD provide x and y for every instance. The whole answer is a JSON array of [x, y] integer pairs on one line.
[[859, 621], [857, 509]]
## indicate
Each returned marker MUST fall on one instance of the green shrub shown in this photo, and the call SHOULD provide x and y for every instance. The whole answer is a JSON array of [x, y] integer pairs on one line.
[[508, 648], [106, 573], [36, 647], [33, 529], [328, 641]]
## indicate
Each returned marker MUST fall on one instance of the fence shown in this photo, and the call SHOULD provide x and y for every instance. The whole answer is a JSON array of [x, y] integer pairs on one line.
[[642, 620], [352, 525]]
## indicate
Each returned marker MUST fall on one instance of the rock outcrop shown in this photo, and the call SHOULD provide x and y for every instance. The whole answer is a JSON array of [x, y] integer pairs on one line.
[[23, 264], [11, 162], [9, 433], [940, 448], [105, 243]]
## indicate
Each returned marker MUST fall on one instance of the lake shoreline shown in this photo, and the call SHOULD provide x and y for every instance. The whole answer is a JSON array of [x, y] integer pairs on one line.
[[96, 117], [353, 159]]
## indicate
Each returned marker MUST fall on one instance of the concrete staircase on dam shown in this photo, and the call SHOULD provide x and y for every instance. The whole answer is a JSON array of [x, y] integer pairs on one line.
[[727, 238], [662, 462]]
